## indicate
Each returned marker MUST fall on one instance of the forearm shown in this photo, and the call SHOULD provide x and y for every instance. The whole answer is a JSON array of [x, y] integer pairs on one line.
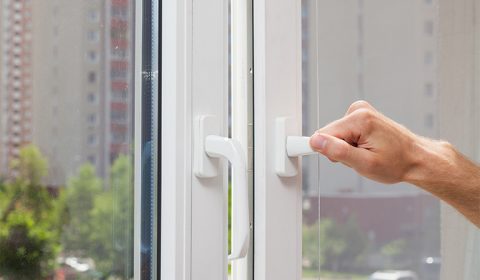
[[443, 171], [387, 152]]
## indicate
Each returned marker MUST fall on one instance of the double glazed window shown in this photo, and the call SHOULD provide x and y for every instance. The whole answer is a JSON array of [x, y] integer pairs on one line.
[[143, 139], [66, 152]]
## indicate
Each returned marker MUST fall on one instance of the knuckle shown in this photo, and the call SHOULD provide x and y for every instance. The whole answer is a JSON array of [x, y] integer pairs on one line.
[[446, 145], [365, 117], [365, 114], [358, 105]]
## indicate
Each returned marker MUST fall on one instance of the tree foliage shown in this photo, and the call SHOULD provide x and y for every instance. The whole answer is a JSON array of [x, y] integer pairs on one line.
[[333, 245], [394, 253], [342, 245], [28, 247], [87, 219], [29, 221], [122, 192], [100, 219], [81, 191]]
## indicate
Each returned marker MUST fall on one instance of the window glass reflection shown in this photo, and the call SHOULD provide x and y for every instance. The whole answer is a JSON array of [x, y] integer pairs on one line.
[[383, 52], [66, 193]]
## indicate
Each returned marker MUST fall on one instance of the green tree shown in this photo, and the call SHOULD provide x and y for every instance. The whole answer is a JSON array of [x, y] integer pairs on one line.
[[100, 221], [112, 222], [80, 197], [100, 239], [332, 245], [28, 247], [4, 199], [31, 165], [342, 245], [310, 245], [122, 189], [393, 252], [26, 188], [29, 221]]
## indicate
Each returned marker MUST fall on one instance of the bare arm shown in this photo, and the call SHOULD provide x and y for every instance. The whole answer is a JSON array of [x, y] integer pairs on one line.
[[383, 150]]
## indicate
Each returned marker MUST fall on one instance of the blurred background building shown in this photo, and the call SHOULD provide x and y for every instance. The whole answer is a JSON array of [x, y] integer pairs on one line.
[[382, 51], [66, 89], [376, 50], [16, 79]]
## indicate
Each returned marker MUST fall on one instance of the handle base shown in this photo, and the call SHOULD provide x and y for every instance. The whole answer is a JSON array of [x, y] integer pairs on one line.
[[203, 165], [285, 166]]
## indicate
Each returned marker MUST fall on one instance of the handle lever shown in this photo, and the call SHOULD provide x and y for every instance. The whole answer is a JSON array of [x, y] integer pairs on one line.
[[299, 146], [208, 146], [230, 149], [289, 148]]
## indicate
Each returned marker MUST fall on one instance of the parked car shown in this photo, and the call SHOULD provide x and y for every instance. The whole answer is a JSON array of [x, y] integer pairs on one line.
[[394, 275]]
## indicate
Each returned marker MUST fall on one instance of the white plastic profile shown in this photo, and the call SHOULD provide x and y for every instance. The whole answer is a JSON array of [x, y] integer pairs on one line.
[[217, 146], [299, 146], [209, 146], [289, 148]]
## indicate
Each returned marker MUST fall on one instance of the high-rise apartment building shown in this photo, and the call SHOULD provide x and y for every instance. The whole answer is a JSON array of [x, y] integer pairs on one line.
[[2, 78], [16, 79], [69, 88], [120, 80]]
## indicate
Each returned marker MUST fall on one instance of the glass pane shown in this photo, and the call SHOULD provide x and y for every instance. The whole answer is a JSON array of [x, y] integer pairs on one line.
[[383, 52], [66, 130]]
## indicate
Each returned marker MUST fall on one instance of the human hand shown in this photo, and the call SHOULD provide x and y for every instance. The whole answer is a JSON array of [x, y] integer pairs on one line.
[[385, 151], [369, 142]]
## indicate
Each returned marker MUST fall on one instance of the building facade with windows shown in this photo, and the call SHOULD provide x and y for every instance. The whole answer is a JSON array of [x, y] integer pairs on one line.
[[72, 87], [16, 80], [69, 95], [119, 53]]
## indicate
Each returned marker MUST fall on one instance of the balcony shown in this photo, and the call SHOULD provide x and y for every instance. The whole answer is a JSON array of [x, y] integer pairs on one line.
[[119, 127], [119, 64], [119, 43], [120, 3], [16, 140], [119, 106], [119, 85], [119, 23]]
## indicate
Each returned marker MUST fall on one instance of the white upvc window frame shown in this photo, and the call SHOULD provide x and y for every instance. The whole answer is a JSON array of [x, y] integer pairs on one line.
[[277, 93], [242, 113], [278, 68], [194, 83]]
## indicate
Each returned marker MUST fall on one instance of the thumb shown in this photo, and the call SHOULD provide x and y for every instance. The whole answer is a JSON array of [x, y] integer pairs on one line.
[[337, 149]]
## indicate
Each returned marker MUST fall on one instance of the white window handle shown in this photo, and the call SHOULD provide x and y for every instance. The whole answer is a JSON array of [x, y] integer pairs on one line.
[[289, 148], [216, 146], [209, 146], [299, 146]]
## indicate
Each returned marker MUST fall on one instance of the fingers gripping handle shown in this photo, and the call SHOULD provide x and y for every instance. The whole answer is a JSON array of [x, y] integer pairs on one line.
[[230, 149]]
